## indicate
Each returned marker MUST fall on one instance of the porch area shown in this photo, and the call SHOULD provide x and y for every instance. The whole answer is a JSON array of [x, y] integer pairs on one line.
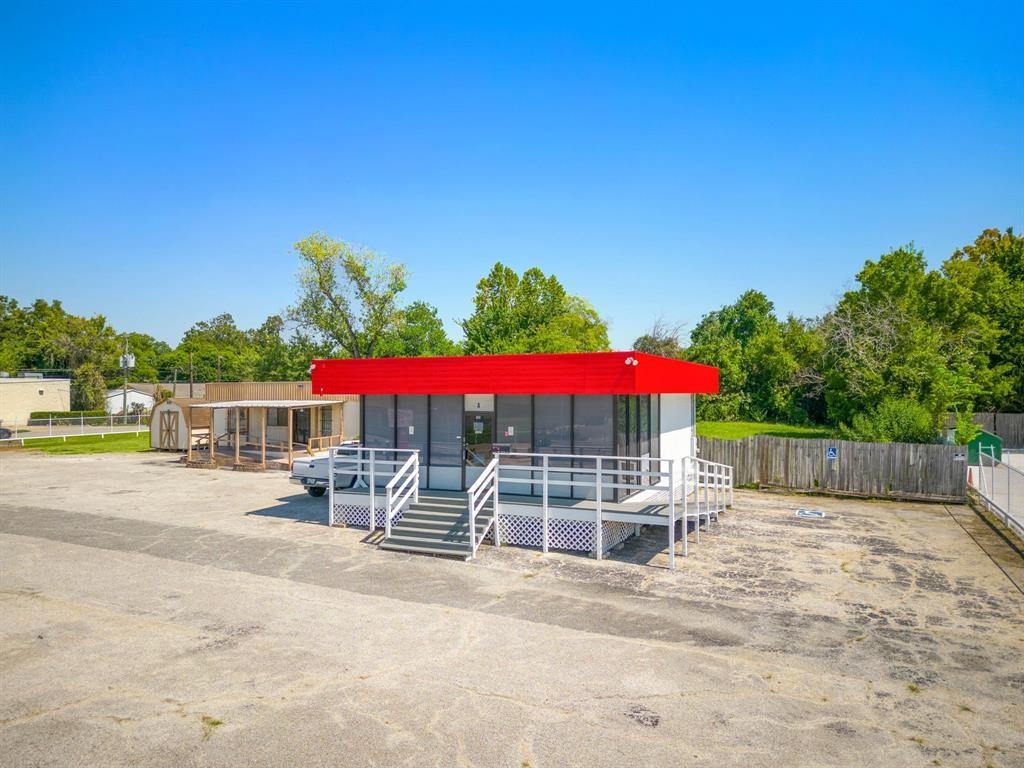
[[588, 504], [263, 434]]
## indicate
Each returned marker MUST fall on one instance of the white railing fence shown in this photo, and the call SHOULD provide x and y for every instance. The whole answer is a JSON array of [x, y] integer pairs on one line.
[[1001, 487], [372, 468], [483, 490], [405, 485], [72, 426], [691, 488]]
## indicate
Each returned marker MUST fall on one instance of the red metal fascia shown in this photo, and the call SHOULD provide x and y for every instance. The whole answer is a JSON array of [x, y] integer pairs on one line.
[[597, 373]]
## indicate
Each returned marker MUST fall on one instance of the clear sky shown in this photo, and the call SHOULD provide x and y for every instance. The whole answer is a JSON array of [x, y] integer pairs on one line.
[[157, 162]]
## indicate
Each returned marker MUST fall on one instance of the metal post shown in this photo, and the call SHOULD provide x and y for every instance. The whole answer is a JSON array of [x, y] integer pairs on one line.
[[330, 473], [124, 363], [416, 487], [238, 435], [471, 499], [49, 426], [81, 422], [672, 514], [373, 495], [686, 503], [544, 504], [494, 505], [598, 527], [707, 502]]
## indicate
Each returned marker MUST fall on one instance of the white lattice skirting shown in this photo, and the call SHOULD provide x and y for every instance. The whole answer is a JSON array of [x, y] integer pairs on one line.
[[358, 516], [573, 535]]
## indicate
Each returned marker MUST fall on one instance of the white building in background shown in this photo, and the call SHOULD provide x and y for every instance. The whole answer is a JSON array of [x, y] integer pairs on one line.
[[20, 396], [137, 399]]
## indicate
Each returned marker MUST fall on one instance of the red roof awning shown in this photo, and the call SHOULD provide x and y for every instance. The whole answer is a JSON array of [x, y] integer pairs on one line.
[[582, 373]]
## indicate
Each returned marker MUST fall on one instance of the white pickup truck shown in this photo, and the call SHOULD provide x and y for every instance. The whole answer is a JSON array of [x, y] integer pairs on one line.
[[312, 473]]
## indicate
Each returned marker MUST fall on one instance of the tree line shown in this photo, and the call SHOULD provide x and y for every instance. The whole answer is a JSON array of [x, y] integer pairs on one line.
[[349, 304], [897, 352], [900, 350]]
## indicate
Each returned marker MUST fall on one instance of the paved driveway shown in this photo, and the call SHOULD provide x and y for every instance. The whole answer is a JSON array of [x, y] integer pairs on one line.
[[157, 616]]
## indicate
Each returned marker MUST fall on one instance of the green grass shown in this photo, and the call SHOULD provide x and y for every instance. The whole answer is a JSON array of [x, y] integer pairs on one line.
[[735, 430], [126, 443]]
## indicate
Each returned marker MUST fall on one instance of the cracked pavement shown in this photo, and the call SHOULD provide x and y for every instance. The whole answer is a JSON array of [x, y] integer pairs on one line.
[[152, 615]]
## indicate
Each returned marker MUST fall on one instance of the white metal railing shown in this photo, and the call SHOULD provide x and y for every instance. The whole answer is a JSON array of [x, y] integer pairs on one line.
[[1001, 487], [403, 486], [480, 492], [713, 485], [72, 426], [366, 466]]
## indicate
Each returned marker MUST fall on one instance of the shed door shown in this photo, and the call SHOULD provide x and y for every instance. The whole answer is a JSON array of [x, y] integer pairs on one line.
[[169, 430]]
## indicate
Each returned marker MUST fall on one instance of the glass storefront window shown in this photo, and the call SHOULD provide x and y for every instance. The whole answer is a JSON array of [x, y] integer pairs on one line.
[[593, 435], [514, 433], [645, 425], [552, 433], [411, 415], [594, 425], [446, 430], [379, 421], [655, 426], [553, 423]]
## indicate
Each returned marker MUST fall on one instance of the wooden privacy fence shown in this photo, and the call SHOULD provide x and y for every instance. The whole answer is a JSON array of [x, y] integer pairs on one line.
[[1009, 427], [894, 470]]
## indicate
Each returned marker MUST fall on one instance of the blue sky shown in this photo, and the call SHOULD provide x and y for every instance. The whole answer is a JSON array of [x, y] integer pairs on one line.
[[157, 163]]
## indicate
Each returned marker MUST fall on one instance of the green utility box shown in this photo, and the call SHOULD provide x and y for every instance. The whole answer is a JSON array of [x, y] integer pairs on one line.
[[991, 445]]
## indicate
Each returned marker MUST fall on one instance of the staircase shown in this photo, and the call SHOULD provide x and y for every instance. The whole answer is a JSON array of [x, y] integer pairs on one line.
[[436, 525]]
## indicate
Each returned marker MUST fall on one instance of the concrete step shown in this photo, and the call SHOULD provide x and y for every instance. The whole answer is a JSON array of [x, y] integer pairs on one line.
[[419, 548], [460, 526]]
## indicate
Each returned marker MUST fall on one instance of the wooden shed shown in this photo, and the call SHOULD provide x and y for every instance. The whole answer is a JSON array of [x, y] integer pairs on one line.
[[170, 423]]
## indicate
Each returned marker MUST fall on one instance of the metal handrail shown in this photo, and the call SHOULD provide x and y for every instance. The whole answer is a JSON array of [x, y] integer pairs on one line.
[[489, 478], [362, 462], [988, 489], [409, 487]]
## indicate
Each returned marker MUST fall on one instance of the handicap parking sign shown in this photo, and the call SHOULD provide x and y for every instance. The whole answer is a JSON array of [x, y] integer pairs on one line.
[[832, 453]]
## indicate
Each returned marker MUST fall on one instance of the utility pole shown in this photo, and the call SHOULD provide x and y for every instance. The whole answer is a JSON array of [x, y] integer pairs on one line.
[[174, 383], [127, 361], [191, 376], [218, 367]]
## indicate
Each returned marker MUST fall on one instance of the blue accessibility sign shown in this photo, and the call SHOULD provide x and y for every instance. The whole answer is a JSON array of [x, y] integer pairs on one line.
[[832, 453]]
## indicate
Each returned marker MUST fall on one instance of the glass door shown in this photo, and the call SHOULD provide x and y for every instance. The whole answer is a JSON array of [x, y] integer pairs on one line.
[[478, 438], [300, 427]]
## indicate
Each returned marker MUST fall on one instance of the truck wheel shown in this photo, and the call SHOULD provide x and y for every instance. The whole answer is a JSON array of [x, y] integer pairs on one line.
[[316, 493]]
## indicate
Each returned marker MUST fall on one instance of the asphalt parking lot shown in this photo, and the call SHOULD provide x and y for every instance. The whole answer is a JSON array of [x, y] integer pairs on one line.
[[152, 615]]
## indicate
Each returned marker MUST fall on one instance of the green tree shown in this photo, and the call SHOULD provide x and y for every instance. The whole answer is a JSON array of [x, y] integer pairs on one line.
[[419, 333], [88, 388], [894, 420], [347, 297], [905, 333], [767, 368], [663, 338], [531, 313], [13, 335], [271, 355], [220, 350], [991, 274]]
